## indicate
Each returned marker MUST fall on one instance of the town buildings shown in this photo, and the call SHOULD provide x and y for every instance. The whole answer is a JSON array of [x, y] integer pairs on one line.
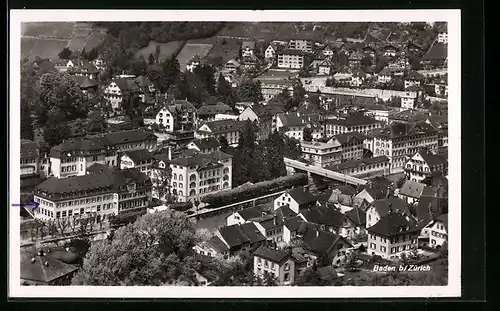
[[296, 199], [438, 231], [278, 264], [300, 44], [361, 124], [423, 164], [140, 159], [363, 168], [393, 235], [230, 129], [30, 159], [291, 58], [400, 141], [293, 125], [104, 193], [351, 145], [200, 174], [322, 154]]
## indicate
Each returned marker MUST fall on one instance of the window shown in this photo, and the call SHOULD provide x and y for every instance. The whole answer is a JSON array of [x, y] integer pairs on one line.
[[287, 276], [287, 267]]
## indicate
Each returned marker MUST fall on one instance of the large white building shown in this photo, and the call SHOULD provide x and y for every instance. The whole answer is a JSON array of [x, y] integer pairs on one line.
[[290, 58], [221, 128], [105, 193], [196, 176], [422, 165], [322, 154], [442, 37], [361, 124]]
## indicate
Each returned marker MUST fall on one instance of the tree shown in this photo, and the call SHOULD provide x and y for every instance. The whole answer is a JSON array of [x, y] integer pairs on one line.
[[292, 148], [65, 53], [366, 62], [269, 279], [310, 277], [224, 145], [298, 89], [54, 133], [304, 73], [27, 130], [157, 53], [171, 70], [206, 75], [151, 59], [276, 152], [225, 91], [380, 63], [161, 184], [250, 91], [307, 134], [154, 250]]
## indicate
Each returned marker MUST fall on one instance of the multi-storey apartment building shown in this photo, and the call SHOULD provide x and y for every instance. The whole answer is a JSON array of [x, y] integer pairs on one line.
[[351, 145], [291, 58], [409, 98], [119, 90], [73, 156], [140, 159], [322, 154], [293, 125], [368, 167], [423, 164], [278, 264], [399, 141], [302, 45], [128, 140], [378, 112], [393, 235], [216, 129], [438, 231], [30, 159], [196, 176], [105, 193], [442, 37], [361, 124]]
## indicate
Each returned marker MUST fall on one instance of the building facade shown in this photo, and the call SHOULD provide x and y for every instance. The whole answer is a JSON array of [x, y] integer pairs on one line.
[[291, 58], [360, 124], [322, 154]]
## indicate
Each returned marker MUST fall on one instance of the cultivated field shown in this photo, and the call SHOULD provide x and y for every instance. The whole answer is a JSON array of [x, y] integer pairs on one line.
[[48, 48], [270, 31], [26, 46], [225, 48], [166, 49], [77, 43], [190, 50], [46, 29], [95, 39]]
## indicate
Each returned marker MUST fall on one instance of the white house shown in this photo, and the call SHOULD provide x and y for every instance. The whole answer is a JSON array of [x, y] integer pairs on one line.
[[438, 231], [408, 100], [442, 37], [165, 118], [385, 76], [194, 63], [382, 207], [140, 159], [247, 48], [296, 199]]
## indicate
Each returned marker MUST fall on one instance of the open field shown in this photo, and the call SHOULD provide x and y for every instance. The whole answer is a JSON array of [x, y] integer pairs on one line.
[[77, 43], [191, 49], [95, 39], [80, 31], [166, 49], [26, 46], [227, 49], [270, 31], [48, 48], [46, 29]]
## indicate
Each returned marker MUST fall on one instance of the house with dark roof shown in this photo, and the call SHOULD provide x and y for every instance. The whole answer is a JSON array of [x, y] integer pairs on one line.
[[438, 231], [278, 264], [265, 115], [330, 219], [423, 164], [390, 50], [293, 124], [247, 48], [247, 214], [331, 248], [357, 216], [393, 235], [351, 145], [412, 191], [382, 207], [238, 237], [352, 123], [230, 129], [127, 140], [413, 78], [212, 247], [105, 193], [377, 189], [120, 89], [140, 159], [207, 113], [296, 199], [291, 58], [291, 228], [206, 145], [41, 268]]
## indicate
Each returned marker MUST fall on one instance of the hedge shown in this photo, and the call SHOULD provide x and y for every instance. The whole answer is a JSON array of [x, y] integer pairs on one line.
[[259, 189], [181, 206], [126, 218]]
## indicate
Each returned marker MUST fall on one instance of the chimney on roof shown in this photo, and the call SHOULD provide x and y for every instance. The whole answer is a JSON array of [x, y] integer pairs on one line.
[[33, 260], [389, 209], [46, 264], [169, 153], [275, 220], [317, 232]]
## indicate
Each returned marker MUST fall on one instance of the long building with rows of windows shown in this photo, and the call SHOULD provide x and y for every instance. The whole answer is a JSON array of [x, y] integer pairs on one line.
[[106, 192], [197, 175]]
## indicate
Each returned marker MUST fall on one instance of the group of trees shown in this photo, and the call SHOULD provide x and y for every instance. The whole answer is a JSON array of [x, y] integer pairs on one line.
[[266, 154]]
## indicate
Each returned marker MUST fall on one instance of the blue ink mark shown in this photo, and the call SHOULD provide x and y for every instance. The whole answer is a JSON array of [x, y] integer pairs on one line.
[[34, 204]]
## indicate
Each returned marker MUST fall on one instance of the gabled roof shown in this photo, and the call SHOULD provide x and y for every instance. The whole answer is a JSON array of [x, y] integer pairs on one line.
[[237, 235], [76, 146], [357, 215], [319, 241], [284, 212], [219, 108], [252, 212], [88, 83], [92, 181], [396, 129], [233, 62], [346, 138], [291, 52], [393, 224], [292, 119], [206, 143], [44, 268], [130, 136], [352, 120], [433, 159], [97, 168], [224, 126], [383, 206], [302, 195], [324, 215], [126, 84], [270, 109], [356, 55], [272, 255], [217, 244], [414, 75], [139, 155], [293, 224], [428, 208]]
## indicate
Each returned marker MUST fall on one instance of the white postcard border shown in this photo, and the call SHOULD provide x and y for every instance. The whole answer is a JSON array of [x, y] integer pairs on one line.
[[453, 289]]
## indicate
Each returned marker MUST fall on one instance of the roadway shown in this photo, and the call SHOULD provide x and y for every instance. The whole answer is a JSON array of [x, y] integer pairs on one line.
[[324, 172]]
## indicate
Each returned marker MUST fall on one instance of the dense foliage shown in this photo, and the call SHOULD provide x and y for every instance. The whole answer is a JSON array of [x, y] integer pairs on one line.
[[255, 190]]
